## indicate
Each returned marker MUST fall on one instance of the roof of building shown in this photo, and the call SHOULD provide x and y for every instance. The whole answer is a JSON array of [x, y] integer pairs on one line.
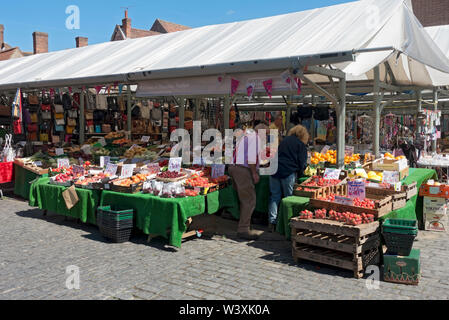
[[9, 53], [162, 26]]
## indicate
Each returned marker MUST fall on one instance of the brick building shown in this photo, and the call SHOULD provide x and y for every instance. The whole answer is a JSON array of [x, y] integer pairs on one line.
[[7, 52], [126, 31], [432, 12]]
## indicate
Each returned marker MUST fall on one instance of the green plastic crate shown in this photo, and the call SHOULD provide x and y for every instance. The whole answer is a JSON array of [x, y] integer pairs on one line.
[[400, 226], [117, 215]]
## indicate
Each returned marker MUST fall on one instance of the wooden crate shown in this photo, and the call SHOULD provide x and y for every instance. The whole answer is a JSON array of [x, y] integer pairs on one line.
[[399, 199], [384, 207], [319, 193], [333, 243], [389, 165]]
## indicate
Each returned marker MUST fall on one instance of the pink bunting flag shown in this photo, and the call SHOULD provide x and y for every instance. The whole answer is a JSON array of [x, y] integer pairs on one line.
[[115, 84], [70, 90], [268, 85], [220, 79], [98, 89], [234, 85], [52, 93], [250, 90], [298, 85]]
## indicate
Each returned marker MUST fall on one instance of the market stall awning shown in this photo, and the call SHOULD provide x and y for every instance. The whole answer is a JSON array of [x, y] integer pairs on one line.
[[374, 30]]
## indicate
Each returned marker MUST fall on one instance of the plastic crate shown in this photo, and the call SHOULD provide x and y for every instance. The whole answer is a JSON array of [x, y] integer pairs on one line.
[[401, 226], [399, 244], [110, 213], [119, 225], [116, 236]]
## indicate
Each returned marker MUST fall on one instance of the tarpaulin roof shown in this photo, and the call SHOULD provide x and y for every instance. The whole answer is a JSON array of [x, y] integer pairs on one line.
[[367, 24]]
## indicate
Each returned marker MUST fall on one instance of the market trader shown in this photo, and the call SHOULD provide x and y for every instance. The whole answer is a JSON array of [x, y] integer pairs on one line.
[[245, 176], [292, 161]]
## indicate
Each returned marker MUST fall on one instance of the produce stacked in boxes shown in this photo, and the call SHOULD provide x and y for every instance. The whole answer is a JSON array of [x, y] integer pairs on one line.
[[436, 202]]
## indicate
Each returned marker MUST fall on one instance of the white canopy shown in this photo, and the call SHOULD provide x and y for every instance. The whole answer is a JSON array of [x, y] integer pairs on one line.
[[385, 26]]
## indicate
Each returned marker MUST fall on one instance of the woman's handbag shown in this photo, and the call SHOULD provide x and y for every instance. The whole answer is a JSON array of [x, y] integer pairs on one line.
[[73, 114], [59, 108], [33, 100], [46, 107], [59, 115], [34, 117], [71, 122], [32, 128], [60, 122], [46, 115], [66, 101]]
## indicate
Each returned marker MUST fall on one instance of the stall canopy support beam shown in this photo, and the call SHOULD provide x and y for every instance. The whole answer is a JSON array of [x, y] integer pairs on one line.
[[377, 112], [82, 124], [319, 89], [418, 122], [129, 114], [435, 108], [226, 110], [341, 128]]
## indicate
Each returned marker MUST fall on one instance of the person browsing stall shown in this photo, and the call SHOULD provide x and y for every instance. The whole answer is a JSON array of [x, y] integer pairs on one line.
[[292, 161], [245, 176]]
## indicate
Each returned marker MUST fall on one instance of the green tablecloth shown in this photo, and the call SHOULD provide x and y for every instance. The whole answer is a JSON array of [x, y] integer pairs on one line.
[[49, 197], [22, 181], [292, 206], [156, 215]]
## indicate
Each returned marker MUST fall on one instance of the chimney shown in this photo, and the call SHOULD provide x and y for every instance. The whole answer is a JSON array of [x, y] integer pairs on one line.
[[81, 42], [40, 42], [126, 25], [2, 36]]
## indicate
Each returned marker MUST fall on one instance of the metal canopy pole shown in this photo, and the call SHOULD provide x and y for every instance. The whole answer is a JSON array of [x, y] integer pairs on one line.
[[341, 128], [312, 120], [226, 110], [418, 122], [182, 109], [377, 112], [82, 124], [435, 101], [129, 110]]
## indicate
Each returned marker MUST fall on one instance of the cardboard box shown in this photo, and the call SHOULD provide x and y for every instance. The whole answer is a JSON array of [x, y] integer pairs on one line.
[[390, 165], [435, 206], [404, 270], [436, 222]]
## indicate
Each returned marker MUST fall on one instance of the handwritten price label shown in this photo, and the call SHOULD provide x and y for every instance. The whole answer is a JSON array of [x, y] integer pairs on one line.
[[175, 165], [111, 169], [63, 163], [332, 174], [218, 170], [78, 170], [145, 139], [343, 200], [391, 177], [59, 151], [356, 190], [104, 161], [127, 171]]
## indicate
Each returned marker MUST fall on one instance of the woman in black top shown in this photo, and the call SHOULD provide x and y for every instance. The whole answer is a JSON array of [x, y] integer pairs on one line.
[[292, 161]]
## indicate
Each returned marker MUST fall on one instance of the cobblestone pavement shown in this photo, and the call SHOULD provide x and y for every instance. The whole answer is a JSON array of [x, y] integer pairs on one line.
[[35, 251]]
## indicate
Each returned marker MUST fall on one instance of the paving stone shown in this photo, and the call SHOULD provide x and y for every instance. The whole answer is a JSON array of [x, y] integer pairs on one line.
[[35, 251]]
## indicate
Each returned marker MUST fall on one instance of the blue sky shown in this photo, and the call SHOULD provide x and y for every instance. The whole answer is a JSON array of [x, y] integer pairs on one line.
[[99, 17]]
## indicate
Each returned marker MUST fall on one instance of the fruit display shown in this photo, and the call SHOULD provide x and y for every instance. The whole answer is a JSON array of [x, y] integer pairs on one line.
[[320, 214], [200, 182], [171, 175], [306, 215], [366, 203], [389, 156], [101, 152], [310, 172], [138, 178], [163, 163], [351, 218], [115, 135], [191, 193], [331, 157], [305, 189], [140, 152], [220, 180], [318, 181], [375, 176], [121, 141]]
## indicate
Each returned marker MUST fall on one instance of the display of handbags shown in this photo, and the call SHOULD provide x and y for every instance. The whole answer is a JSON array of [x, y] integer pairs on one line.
[[66, 101], [34, 117], [46, 115], [46, 99], [46, 107], [112, 104], [33, 99], [57, 99], [60, 122], [89, 115], [71, 122], [72, 114], [59, 115], [69, 130], [59, 108], [32, 128]]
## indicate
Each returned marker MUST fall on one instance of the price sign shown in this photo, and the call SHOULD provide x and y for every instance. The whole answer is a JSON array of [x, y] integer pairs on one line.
[[325, 149], [145, 139], [175, 164], [63, 163], [127, 171], [349, 151], [343, 200], [37, 163], [78, 170], [332, 174], [111, 169], [398, 187], [153, 168], [356, 189], [80, 161], [102, 141], [104, 161], [218, 170], [391, 177], [59, 151]]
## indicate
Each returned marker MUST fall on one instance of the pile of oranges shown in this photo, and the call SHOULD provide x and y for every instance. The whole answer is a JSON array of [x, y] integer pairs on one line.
[[389, 156], [331, 157]]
